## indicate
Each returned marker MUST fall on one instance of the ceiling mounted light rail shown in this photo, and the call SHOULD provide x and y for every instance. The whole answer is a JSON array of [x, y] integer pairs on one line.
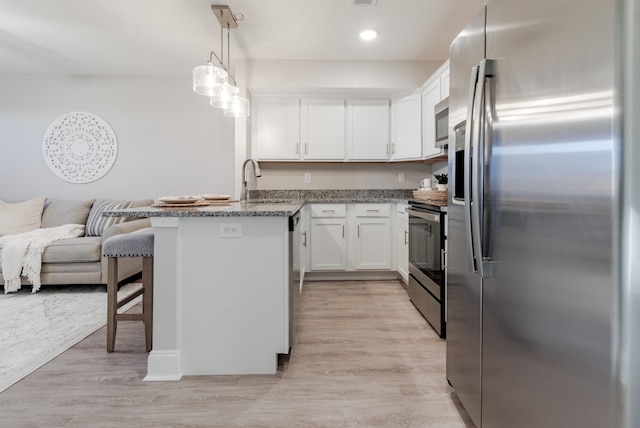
[[213, 81]]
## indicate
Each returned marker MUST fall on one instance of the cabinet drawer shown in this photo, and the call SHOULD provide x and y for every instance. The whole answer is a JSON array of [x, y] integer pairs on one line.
[[372, 210], [328, 210]]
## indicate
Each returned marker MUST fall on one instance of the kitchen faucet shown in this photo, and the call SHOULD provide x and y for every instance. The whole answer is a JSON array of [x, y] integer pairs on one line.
[[256, 170]]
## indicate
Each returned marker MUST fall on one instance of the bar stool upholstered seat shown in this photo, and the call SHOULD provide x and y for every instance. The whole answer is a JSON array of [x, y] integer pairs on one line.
[[134, 244]]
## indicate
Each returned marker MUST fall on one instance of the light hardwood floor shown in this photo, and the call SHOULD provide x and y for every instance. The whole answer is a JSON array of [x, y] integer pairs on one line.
[[364, 358]]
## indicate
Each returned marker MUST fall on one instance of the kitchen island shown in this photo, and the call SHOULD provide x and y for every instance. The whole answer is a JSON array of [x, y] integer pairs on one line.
[[221, 288]]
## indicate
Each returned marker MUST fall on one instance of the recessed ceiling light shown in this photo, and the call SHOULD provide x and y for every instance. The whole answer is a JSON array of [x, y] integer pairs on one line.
[[368, 34], [364, 2]]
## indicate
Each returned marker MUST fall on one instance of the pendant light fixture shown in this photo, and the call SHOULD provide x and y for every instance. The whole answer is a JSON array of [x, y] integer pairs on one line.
[[213, 81]]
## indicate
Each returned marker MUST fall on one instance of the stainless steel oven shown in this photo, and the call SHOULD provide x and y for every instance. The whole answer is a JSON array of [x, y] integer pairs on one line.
[[426, 263]]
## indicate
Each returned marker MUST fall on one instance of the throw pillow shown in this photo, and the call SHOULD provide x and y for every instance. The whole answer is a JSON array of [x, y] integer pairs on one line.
[[96, 223], [58, 212], [20, 217]]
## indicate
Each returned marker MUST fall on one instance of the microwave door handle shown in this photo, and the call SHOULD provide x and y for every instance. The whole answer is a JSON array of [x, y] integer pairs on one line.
[[468, 143]]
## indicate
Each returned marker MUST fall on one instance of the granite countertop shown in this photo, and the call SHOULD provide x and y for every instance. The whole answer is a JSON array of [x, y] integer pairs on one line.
[[234, 209], [333, 196], [270, 203]]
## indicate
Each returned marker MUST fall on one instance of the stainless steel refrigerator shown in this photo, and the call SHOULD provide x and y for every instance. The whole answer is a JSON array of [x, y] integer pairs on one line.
[[543, 312]]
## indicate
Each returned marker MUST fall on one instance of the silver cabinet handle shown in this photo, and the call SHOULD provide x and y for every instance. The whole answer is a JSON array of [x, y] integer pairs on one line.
[[304, 243], [406, 236], [298, 147], [358, 231], [343, 230]]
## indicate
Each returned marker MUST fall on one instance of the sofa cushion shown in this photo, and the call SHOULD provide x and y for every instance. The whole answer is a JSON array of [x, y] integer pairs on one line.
[[58, 212], [73, 250], [20, 217], [96, 223]]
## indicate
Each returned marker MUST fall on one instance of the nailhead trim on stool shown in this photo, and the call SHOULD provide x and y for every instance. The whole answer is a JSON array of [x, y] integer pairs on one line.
[[135, 244]]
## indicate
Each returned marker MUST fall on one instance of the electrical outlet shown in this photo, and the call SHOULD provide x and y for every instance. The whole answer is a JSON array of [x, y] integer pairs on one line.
[[307, 177], [402, 177], [230, 230]]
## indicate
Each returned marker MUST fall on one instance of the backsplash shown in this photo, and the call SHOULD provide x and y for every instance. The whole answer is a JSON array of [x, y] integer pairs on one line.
[[336, 175]]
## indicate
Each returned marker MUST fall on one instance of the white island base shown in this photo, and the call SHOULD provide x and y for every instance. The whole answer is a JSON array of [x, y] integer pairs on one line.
[[220, 302]]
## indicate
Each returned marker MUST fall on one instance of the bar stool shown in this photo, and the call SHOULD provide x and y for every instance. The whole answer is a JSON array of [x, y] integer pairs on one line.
[[134, 244]]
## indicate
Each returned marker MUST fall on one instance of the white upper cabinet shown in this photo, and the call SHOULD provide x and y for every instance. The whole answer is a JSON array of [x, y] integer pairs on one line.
[[368, 129], [444, 81], [276, 128], [434, 90], [322, 127], [406, 128]]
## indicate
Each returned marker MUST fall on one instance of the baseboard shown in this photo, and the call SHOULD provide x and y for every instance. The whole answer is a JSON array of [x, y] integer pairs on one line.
[[352, 276], [163, 366]]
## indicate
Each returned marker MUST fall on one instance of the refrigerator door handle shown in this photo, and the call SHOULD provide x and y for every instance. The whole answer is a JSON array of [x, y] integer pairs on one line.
[[481, 156], [468, 160]]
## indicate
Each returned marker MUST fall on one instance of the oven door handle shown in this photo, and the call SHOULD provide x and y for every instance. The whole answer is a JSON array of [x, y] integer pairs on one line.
[[424, 215]]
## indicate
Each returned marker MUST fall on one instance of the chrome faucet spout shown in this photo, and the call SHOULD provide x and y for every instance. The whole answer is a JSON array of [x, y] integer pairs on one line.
[[257, 172]]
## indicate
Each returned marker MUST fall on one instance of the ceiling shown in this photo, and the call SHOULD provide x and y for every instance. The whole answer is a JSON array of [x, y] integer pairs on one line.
[[170, 37]]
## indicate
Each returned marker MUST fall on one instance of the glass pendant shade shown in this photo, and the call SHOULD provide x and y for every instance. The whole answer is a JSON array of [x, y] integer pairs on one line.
[[223, 95], [237, 107], [207, 79]]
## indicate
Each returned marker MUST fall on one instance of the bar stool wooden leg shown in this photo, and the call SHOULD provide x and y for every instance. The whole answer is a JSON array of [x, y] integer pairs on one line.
[[112, 302], [147, 299]]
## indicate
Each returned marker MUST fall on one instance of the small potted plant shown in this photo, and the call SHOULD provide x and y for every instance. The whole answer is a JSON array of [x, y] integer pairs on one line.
[[442, 180]]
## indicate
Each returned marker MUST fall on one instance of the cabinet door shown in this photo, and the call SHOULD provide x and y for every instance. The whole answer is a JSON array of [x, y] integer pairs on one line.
[[328, 244], [444, 81], [406, 142], [402, 247], [367, 129], [430, 97], [276, 128], [323, 129], [304, 239], [373, 244]]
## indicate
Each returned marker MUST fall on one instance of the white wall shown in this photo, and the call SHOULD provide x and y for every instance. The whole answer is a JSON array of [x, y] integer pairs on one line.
[[372, 77], [170, 141], [280, 175]]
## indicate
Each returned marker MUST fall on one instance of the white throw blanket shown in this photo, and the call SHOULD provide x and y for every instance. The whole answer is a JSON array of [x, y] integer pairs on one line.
[[22, 253]]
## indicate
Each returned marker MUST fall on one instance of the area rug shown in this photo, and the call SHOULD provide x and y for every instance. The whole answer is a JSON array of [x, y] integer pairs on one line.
[[35, 328]]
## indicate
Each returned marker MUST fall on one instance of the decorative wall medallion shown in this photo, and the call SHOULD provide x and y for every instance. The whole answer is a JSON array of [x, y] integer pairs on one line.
[[79, 147]]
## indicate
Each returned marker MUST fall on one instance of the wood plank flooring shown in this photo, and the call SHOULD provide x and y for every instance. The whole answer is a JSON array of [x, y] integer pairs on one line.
[[364, 358]]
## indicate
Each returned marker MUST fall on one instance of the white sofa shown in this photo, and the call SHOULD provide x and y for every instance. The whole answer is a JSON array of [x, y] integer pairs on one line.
[[79, 260]]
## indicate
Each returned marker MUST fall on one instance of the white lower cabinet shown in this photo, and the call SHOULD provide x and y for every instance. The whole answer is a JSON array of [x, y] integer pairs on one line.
[[350, 237], [373, 237], [402, 242], [328, 244], [328, 237]]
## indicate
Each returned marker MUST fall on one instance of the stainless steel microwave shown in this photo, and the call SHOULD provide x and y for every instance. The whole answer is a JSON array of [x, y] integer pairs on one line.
[[442, 122]]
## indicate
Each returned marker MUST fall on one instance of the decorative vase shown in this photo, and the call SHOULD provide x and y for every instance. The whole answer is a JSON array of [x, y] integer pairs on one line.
[[442, 187]]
